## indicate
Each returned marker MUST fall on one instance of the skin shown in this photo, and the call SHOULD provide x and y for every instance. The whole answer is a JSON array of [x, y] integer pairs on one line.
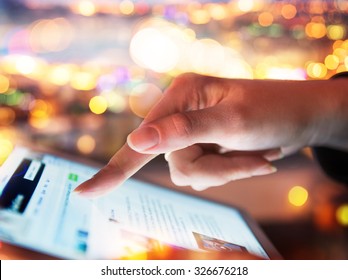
[[215, 130]]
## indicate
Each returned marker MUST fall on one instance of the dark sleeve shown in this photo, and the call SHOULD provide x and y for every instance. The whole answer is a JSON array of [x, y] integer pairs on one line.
[[334, 162]]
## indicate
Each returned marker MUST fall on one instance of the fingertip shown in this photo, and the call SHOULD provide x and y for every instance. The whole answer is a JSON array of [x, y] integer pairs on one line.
[[273, 155], [86, 190], [273, 169], [101, 183], [264, 170], [80, 188], [198, 188], [167, 156]]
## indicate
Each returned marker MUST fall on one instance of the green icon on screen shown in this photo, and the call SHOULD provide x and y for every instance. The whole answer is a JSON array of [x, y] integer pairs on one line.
[[73, 177]]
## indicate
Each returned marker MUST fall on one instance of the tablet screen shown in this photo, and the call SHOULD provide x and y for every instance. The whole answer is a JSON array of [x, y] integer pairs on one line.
[[40, 212]]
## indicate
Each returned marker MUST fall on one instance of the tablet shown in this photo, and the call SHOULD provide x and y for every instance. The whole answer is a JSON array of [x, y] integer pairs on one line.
[[40, 212]]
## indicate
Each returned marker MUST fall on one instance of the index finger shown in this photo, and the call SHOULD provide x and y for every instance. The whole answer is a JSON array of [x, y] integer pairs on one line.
[[124, 163], [127, 161], [121, 166]]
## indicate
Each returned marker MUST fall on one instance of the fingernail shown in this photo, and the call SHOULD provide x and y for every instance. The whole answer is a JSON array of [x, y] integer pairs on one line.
[[166, 156], [143, 138], [198, 188], [77, 190], [90, 194], [273, 155], [264, 170]]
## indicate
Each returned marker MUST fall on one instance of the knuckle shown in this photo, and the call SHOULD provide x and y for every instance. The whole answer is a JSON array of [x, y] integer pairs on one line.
[[183, 84], [237, 171], [222, 179], [178, 179], [179, 175], [182, 124], [184, 78], [241, 118], [238, 176]]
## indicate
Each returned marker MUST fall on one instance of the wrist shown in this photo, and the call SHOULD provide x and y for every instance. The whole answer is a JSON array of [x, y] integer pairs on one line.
[[336, 100]]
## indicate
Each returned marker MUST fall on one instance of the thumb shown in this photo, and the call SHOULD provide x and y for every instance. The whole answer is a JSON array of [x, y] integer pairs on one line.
[[178, 131]]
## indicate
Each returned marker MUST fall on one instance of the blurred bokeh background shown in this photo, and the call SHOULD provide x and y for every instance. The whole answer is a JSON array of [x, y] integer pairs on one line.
[[79, 75]]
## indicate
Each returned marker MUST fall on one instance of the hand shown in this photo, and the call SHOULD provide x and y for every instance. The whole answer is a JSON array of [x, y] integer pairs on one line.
[[215, 130]]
